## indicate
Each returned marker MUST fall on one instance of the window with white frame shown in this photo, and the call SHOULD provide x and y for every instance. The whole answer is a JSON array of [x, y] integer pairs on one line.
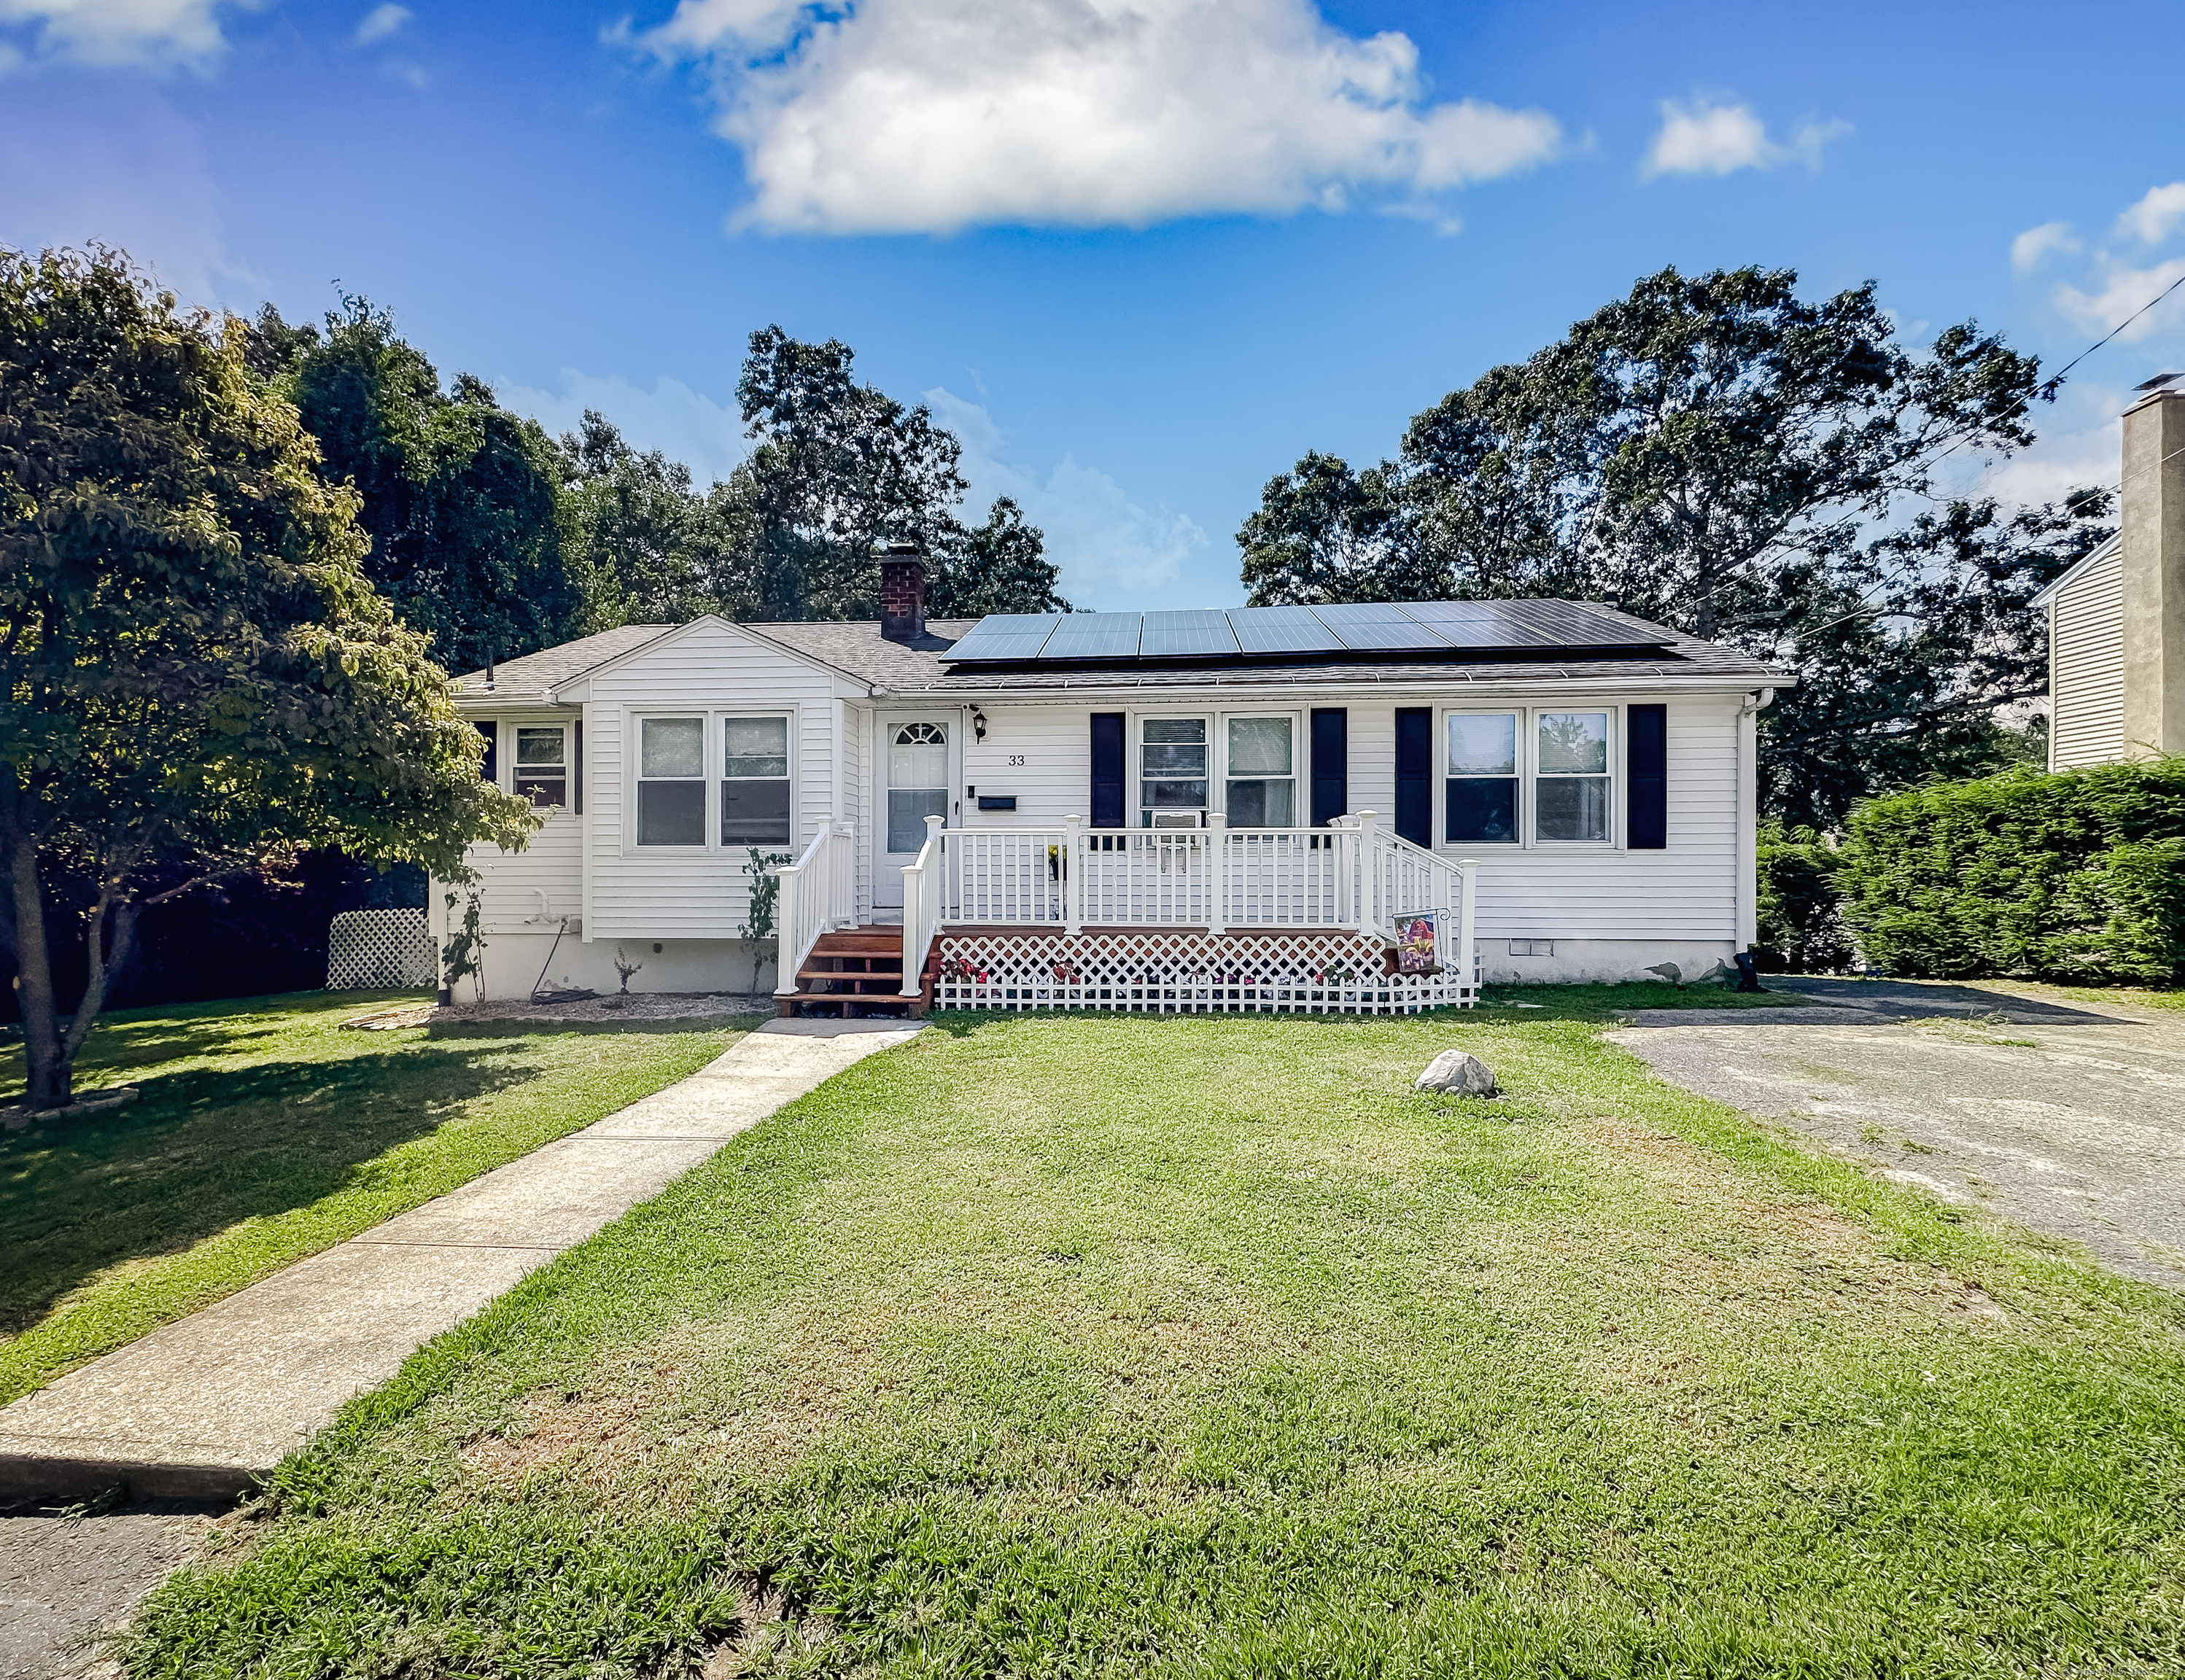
[[1570, 775], [1173, 771], [755, 781], [1481, 778], [671, 781], [542, 765], [1260, 772]]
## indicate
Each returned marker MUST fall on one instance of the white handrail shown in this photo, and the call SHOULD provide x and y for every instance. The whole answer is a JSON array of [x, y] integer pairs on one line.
[[811, 901], [923, 889]]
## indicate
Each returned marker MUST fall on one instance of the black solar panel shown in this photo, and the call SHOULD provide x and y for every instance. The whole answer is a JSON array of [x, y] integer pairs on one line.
[[1005, 636], [1378, 627], [1094, 635], [1177, 635], [1280, 629], [1434, 628], [1477, 623]]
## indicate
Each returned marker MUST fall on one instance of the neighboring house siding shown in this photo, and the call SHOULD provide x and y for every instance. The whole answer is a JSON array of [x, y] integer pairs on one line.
[[639, 893], [2086, 667]]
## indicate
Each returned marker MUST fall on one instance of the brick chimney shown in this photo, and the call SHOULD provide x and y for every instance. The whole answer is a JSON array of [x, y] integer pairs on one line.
[[903, 592], [2152, 517]]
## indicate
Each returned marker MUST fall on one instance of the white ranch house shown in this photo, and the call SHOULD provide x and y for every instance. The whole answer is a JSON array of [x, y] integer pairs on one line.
[[1354, 808]]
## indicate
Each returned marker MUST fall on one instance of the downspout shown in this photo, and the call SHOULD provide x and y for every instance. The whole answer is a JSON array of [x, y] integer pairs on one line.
[[1748, 816]]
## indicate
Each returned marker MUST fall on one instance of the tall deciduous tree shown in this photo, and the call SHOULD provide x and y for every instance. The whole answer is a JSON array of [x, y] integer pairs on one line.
[[1718, 454], [196, 668], [458, 495], [839, 469], [998, 565], [645, 545]]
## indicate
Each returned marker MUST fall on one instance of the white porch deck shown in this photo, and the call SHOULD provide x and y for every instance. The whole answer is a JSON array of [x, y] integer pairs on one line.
[[1287, 919]]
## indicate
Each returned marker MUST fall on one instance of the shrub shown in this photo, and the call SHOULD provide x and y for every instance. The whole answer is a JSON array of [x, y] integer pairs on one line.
[[2075, 876], [1801, 929]]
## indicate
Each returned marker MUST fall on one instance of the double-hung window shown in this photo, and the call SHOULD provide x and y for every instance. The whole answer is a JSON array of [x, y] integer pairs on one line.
[[1261, 773], [1480, 790], [1570, 778], [542, 765], [671, 781], [755, 781], [1172, 767]]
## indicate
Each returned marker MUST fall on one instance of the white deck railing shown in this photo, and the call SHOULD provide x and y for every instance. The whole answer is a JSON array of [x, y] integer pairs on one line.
[[925, 893], [818, 894], [1353, 874]]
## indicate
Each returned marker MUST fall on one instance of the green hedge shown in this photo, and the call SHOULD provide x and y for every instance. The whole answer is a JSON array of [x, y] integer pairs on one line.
[[1801, 927], [2077, 876]]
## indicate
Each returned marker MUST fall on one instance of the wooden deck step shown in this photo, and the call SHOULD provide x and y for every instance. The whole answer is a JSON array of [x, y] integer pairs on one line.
[[858, 971]]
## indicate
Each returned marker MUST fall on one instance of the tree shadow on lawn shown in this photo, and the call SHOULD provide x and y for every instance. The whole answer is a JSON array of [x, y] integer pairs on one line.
[[204, 1148]]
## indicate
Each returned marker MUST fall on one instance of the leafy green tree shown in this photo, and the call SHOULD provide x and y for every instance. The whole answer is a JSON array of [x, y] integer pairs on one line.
[[458, 495], [197, 671], [645, 546], [1326, 533], [999, 565], [1720, 456], [839, 469]]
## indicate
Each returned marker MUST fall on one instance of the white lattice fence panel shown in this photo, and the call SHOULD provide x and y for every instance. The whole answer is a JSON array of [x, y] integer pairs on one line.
[[1159, 971], [380, 951]]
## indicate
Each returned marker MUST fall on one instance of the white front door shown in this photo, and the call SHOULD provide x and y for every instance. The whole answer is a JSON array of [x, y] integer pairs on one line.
[[918, 754]]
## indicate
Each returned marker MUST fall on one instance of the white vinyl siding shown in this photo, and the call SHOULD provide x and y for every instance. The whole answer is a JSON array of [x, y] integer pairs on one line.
[[2085, 666], [698, 892]]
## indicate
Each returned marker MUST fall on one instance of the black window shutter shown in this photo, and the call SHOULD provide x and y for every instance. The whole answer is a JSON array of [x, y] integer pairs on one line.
[[1331, 765], [1646, 809], [1108, 770], [1415, 773], [577, 768], [490, 770]]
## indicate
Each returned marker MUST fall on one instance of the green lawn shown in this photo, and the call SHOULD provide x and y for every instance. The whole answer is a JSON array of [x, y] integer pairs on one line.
[[1100, 1345], [265, 1134]]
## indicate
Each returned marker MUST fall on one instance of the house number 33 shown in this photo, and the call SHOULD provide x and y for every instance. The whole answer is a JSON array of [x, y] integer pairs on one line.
[[1016, 758]]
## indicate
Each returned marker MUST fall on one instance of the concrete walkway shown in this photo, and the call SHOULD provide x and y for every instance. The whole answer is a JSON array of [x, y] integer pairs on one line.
[[2068, 1118], [205, 1407]]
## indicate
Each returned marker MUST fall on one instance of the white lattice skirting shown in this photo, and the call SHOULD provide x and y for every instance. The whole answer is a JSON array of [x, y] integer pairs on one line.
[[380, 951], [1162, 972]]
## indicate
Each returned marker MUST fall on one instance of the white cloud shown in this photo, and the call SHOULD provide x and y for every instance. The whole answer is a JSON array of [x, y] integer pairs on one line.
[[933, 116], [2027, 250], [2157, 215], [2120, 289], [681, 423], [1103, 541], [381, 22], [1711, 139], [108, 33]]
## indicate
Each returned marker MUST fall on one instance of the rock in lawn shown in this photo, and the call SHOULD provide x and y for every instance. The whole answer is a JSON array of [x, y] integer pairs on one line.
[[1460, 1073]]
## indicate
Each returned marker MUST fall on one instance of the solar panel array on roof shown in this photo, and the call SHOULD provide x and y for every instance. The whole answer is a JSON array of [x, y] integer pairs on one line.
[[1175, 635], [1434, 628]]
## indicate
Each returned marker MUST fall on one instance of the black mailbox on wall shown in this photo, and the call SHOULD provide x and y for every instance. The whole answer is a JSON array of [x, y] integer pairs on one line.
[[998, 801]]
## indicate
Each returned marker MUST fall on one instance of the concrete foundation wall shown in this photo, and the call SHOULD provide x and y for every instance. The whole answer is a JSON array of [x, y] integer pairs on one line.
[[1591, 961], [512, 962]]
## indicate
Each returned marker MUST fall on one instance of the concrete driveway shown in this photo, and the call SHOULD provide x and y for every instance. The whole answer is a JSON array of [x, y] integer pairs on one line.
[[2065, 1117]]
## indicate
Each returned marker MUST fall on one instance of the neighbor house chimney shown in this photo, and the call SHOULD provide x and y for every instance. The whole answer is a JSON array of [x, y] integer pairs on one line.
[[903, 592], [2153, 516]]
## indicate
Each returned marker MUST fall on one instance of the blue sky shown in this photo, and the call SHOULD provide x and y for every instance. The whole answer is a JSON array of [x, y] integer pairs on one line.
[[1142, 254]]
